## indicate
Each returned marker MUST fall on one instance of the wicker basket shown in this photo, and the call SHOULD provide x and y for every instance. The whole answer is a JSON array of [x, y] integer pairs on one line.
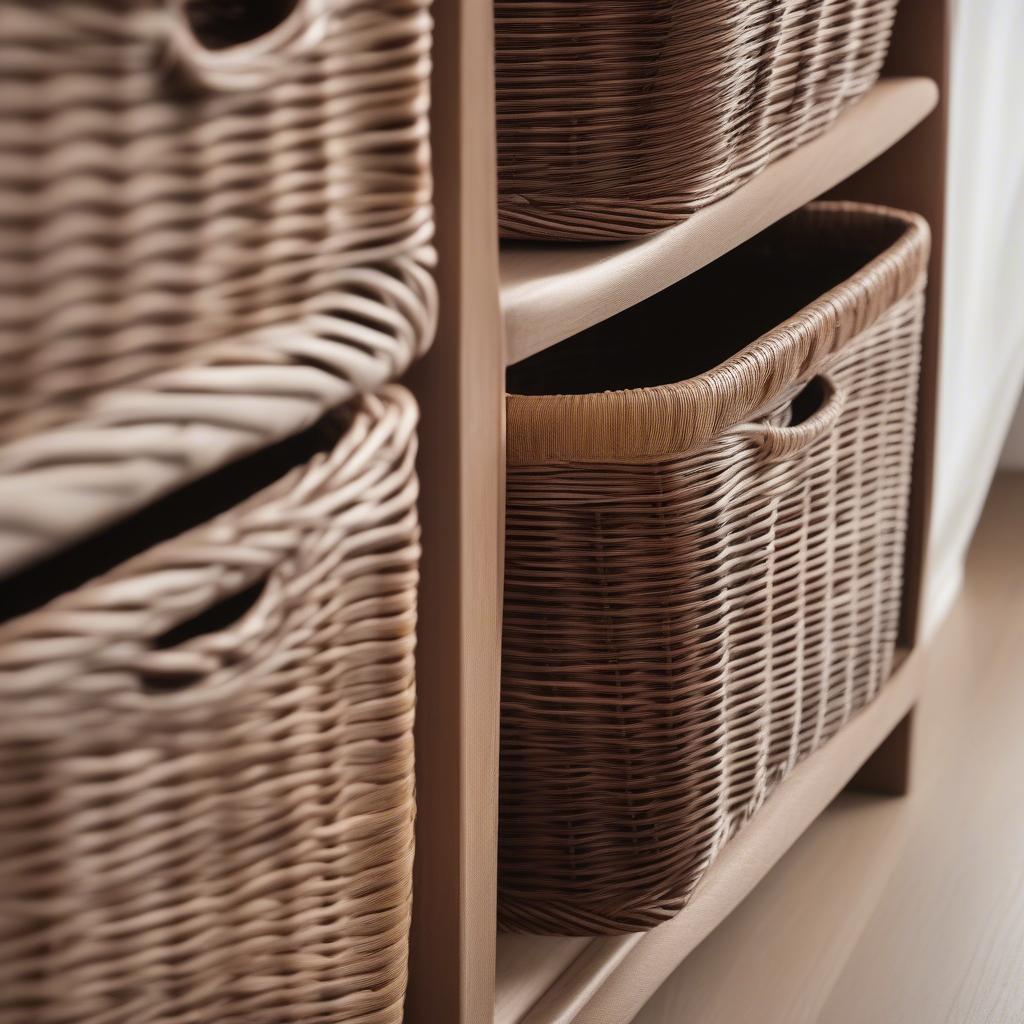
[[703, 578], [617, 118], [207, 811], [198, 228]]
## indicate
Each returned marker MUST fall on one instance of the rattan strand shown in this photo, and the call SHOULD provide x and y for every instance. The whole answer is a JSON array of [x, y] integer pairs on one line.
[[681, 629], [239, 849], [182, 229], [618, 118]]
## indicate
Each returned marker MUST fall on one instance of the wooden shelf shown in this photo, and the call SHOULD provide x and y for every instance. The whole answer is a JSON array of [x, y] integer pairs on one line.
[[549, 292], [544, 980]]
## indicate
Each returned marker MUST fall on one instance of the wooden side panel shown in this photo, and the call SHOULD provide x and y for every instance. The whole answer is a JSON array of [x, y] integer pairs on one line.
[[460, 386], [912, 175]]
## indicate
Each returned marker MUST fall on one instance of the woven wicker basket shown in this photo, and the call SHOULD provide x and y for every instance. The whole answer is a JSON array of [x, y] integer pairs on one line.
[[208, 817], [206, 240], [617, 118], [702, 578]]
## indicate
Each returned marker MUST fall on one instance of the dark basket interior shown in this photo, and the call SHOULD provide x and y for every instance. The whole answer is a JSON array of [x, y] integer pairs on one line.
[[168, 517], [219, 24], [694, 325]]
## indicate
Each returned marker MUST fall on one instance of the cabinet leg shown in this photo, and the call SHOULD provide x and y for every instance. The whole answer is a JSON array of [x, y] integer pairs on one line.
[[888, 770]]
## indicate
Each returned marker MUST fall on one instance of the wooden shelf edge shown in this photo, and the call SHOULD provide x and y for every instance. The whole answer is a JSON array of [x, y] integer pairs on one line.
[[550, 292], [611, 978]]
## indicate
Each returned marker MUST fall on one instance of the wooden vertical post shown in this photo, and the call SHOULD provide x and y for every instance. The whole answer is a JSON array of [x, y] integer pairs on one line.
[[460, 387], [913, 175]]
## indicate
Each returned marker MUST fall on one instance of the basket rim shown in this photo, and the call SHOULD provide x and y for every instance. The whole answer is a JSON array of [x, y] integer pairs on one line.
[[275, 516], [670, 420]]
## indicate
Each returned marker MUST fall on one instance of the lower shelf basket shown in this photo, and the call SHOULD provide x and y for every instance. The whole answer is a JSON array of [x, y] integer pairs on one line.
[[703, 571], [206, 760]]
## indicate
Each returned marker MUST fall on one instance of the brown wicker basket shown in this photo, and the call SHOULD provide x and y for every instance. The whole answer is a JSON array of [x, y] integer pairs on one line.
[[617, 118], [703, 578], [206, 759], [215, 225]]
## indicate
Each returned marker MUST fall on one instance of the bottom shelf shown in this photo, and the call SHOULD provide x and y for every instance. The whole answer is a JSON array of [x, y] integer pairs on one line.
[[546, 980]]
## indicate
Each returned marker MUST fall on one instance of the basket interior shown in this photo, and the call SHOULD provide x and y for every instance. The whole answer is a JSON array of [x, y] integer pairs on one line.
[[694, 325], [219, 24], [168, 517]]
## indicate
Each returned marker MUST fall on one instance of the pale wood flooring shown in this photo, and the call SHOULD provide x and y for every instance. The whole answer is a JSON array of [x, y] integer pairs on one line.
[[902, 910]]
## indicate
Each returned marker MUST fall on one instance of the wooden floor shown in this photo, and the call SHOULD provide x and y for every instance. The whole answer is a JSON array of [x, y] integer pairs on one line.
[[902, 910]]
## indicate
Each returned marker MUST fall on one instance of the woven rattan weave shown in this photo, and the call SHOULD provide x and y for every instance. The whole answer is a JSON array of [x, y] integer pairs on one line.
[[215, 824], [206, 240], [620, 117], [703, 578]]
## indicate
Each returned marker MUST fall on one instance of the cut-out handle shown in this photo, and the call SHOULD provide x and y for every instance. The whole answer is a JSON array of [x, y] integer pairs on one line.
[[781, 441], [254, 62], [188, 652]]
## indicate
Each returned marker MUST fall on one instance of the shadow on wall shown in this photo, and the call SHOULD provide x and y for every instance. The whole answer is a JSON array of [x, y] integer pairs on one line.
[[1013, 450]]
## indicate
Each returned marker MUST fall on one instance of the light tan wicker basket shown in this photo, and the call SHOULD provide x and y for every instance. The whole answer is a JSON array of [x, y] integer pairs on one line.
[[206, 240], [211, 820], [702, 578], [620, 117]]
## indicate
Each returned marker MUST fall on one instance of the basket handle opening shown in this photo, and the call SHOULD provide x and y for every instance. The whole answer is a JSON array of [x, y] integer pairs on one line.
[[238, 45], [814, 413], [179, 658]]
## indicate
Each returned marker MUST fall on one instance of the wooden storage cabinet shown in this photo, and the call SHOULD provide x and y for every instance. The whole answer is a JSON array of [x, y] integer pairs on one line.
[[499, 307]]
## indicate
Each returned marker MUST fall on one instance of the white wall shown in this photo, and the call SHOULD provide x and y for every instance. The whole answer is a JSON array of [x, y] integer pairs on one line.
[[983, 313]]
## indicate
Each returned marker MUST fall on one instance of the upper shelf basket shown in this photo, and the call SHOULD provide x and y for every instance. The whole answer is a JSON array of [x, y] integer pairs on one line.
[[215, 224], [617, 118]]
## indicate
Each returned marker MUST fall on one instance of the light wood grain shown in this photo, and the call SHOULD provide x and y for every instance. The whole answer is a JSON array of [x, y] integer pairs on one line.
[[549, 292], [946, 940], [814, 907], [902, 911], [527, 965], [460, 386]]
